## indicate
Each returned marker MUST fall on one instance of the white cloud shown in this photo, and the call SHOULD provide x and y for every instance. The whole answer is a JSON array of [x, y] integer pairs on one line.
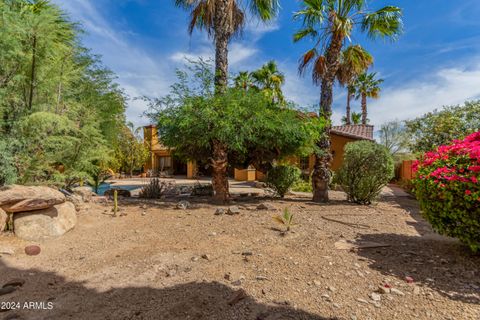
[[447, 86]]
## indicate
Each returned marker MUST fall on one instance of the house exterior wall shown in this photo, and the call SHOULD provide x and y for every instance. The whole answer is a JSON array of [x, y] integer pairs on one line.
[[157, 151]]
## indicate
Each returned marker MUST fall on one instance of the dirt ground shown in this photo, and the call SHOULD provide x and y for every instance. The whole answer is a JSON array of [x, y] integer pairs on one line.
[[158, 262]]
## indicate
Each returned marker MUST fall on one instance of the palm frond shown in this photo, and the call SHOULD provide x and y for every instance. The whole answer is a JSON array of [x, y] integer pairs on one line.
[[386, 22], [305, 32], [264, 9]]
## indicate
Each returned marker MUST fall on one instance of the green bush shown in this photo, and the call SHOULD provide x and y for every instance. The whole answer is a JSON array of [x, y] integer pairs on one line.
[[8, 173], [447, 184], [281, 178], [302, 185], [367, 167]]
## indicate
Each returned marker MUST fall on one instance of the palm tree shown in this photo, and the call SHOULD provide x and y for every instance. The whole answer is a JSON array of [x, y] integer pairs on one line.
[[244, 80], [366, 86], [270, 80], [356, 117], [222, 19], [330, 23], [354, 61]]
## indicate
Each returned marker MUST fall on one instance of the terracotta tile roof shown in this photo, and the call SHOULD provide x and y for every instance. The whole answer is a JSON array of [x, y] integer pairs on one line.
[[358, 131]]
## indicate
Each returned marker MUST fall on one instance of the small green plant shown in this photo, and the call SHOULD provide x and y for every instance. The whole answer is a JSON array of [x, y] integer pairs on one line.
[[115, 202], [281, 178], [286, 219]]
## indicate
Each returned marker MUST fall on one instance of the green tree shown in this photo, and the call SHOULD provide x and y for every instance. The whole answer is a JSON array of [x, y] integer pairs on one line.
[[354, 61], [356, 118], [366, 86], [253, 131], [270, 80], [330, 23], [244, 81], [440, 127], [222, 19], [393, 136], [131, 152], [60, 109]]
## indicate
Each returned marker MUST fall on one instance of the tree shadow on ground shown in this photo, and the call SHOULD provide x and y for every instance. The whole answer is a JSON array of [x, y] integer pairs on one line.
[[73, 300], [440, 263]]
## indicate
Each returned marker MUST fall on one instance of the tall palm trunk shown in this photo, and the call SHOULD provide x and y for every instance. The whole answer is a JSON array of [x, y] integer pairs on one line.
[[348, 116], [321, 171], [32, 74], [220, 153], [364, 108]]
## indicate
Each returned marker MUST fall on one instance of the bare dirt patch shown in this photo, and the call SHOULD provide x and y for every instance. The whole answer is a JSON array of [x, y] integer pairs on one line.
[[158, 262]]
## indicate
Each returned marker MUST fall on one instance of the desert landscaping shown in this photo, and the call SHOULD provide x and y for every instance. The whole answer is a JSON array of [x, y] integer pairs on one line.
[[154, 261]]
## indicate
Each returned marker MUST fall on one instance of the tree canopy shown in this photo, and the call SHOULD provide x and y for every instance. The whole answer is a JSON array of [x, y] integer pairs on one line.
[[60, 108], [440, 127], [253, 130]]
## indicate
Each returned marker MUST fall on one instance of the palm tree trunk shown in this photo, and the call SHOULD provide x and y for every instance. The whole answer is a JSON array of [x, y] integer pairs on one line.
[[219, 175], [321, 171], [32, 74], [348, 116], [364, 108], [220, 151]]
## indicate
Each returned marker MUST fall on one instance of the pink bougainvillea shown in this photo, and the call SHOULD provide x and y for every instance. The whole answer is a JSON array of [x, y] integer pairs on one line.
[[447, 186]]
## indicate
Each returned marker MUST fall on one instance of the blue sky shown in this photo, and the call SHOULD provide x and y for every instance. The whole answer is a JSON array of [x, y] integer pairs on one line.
[[435, 62]]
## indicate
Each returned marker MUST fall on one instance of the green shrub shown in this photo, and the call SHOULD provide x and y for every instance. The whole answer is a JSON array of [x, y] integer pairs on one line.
[[367, 167], [448, 188], [302, 185], [8, 173], [281, 178]]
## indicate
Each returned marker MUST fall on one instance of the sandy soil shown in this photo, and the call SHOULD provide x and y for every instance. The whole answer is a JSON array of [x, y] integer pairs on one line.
[[161, 263]]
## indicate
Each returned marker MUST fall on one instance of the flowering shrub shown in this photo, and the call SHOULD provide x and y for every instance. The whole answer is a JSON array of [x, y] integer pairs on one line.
[[447, 186]]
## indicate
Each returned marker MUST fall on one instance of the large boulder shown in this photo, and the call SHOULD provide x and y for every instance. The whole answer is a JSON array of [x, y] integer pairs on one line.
[[85, 192], [45, 224], [3, 220], [22, 198]]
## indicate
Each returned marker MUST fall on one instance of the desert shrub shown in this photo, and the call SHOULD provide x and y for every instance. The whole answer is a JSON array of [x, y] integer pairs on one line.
[[156, 189], [447, 186], [367, 167], [281, 178], [302, 185]]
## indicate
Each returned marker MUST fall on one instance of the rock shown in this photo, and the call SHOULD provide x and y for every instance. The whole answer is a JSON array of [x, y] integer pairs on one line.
[[332, 289], [45, 224], [409, 279], [194, 259], [233, 210], [219, 211], [183, 205], [7, 250], [265, 206], [317, 283], [362, 300], [326, 297], [261, 278], [85, 192], [22, 198], [14, 283], [3, 220], [77, 201], [236, 283], [397, 292], [237, 297], [32, 250], [120, 193], [247, 253], [383, 290], [259, 185], [144, 213], [206, 257], [375, 296], [416, 290]]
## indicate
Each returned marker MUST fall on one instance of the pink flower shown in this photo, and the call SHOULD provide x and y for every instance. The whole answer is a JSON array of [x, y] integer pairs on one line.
[[468, 192]]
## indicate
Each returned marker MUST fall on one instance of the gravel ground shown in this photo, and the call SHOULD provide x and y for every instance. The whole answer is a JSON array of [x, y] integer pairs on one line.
[[158, 262]]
